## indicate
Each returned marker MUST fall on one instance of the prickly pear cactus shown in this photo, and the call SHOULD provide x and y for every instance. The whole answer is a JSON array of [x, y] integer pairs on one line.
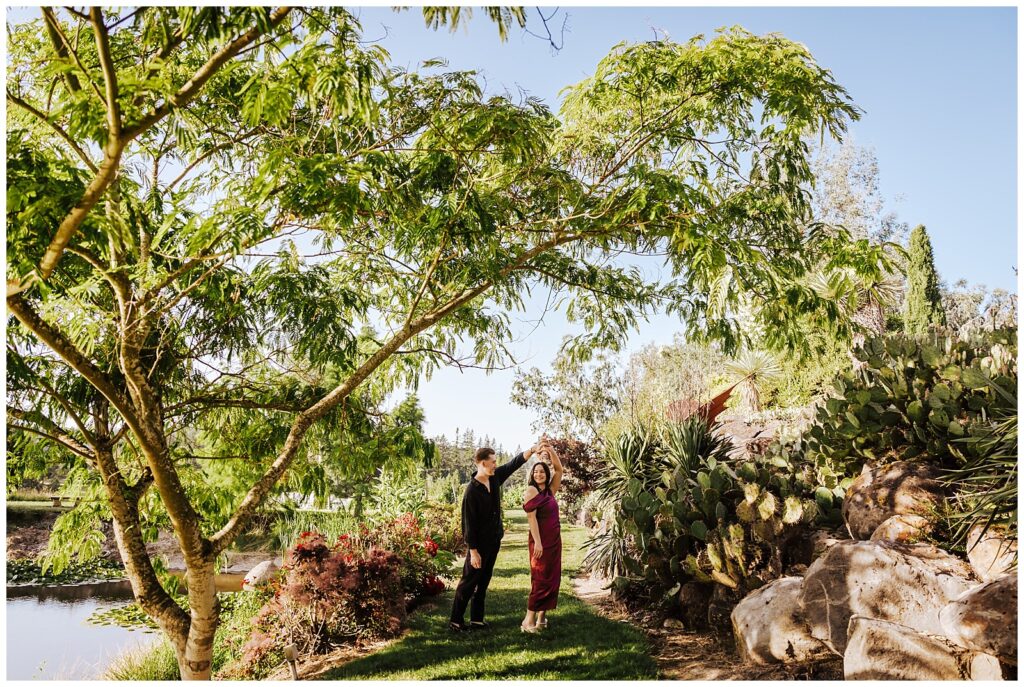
[[726, 521], [914, 398]]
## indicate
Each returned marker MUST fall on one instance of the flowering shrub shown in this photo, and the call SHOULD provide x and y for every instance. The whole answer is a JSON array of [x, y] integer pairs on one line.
[[329, 595], [443, 523], [423, 562]]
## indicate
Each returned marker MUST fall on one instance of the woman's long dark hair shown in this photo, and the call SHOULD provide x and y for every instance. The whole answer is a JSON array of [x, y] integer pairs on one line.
[[547, 472]]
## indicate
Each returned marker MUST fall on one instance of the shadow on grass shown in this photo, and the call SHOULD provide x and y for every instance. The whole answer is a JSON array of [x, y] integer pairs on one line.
[[579, 645]]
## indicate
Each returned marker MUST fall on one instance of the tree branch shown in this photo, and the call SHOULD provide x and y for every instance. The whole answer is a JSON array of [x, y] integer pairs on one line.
[[23, 104], [109, 73], [254, 497], [71, 355], [192, 87], [50, 20], [61, 438], [54, 23]]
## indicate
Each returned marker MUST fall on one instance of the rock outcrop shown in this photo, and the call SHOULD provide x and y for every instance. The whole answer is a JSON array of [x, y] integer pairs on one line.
[[906, 584], [985, 619], [991, 554], [769, 626], [906, 529], [900, 488], [882, 650]]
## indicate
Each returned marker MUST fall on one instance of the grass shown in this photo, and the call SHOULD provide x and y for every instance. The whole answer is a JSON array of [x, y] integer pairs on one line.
[[156, 662], [579, 644]]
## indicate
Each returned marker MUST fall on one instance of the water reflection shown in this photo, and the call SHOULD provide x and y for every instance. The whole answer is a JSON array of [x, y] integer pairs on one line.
[[114, 590], [49, 638]]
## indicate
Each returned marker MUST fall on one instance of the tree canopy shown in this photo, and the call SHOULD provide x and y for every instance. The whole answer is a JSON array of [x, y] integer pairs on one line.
[[233, 232]]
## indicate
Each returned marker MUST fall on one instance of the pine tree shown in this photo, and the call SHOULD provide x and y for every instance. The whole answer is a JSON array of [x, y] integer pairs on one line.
[[923, 305]]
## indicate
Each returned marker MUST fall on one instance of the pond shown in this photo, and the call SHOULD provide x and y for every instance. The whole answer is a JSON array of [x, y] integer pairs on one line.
[[48, 637]]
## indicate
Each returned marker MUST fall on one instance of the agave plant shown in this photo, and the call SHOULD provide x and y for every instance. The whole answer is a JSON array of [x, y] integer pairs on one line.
[[753, 370]]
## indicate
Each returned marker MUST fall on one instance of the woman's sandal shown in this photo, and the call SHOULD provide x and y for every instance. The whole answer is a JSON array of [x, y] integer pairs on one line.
[[532, 629], [543, 624]]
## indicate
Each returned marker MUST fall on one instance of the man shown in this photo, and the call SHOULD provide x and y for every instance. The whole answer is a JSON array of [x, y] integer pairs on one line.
[[482, 529]]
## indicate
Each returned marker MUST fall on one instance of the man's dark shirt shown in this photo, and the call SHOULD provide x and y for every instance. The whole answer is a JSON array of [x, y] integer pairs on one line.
[[481, 510]]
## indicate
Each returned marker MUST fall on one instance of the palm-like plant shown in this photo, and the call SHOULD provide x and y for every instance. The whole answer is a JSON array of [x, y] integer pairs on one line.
[[866, 298], [753, 370]]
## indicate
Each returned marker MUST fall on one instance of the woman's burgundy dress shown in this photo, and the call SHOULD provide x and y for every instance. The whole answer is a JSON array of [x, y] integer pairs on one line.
[[546, 571]]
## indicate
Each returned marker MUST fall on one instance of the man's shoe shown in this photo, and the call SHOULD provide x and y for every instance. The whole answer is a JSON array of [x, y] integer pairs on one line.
[[457, 627], [479, 625]]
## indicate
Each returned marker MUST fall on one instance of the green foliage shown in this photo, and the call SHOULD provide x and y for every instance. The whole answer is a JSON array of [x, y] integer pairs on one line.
[[426, 207], [395, 494], [155, 663], [923, 303], [698, 514], [986, 484], [915, 398], [289, 525], [442, 522], [28, 571], [237, 611]]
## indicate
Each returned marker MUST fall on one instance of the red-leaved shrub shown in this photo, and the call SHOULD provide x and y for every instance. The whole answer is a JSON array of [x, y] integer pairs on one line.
[[328, 595]]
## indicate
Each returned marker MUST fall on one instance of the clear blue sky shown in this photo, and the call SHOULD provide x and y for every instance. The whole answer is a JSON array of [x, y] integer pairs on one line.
[[938, 87]]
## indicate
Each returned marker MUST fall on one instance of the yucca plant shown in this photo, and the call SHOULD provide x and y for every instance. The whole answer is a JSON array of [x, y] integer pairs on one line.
[[987, 482], [607, 552], [753, 370], [633, 455], [689, 444]]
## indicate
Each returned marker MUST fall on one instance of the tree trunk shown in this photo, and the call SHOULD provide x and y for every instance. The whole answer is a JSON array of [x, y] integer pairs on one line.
[[196, 662]]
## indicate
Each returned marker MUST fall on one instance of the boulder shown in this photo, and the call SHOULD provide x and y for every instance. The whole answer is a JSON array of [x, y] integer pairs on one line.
[[673, 624], [260, 575], [991, 554], [902, 528], [821, 542], [694, 598], [903, 583], [985, 619], [881, 650], [769, 627], [899, 488]]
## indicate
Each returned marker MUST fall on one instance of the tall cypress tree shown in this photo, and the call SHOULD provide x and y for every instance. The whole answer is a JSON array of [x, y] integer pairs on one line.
[[923, 304]]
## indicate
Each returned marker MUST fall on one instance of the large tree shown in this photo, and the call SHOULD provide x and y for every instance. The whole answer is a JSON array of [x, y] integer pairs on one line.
[[923, 303], [230, 227]]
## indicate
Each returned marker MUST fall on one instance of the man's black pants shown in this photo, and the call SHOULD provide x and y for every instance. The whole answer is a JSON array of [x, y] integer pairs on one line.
[[472, 589]]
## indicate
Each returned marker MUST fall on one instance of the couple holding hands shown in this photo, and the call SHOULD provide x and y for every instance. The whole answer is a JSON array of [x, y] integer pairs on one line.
[[482, 529]]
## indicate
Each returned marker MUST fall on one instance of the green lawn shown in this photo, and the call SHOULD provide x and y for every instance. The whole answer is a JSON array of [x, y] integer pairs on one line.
[[579, 644]]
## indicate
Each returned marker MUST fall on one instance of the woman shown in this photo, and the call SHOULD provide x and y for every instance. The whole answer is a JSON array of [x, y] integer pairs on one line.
[[545, 540]]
